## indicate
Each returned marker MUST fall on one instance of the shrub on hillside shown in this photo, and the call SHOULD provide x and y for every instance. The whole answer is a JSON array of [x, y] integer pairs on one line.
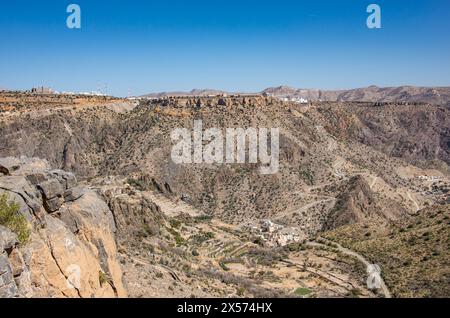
[[11, 218]]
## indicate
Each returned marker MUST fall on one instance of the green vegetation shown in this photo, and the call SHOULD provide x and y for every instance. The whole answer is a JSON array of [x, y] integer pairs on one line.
[[307, 175], [295, 247], [149, 230], [240, 291], [102, 278], [202, 218], [267, 256], [302, 291], [224, 266], [354, 293], [203, 237], [11, 218], [179, 240], [175, 223], [136, 183]]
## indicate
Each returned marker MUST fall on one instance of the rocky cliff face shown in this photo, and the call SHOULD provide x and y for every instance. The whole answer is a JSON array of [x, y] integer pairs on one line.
[[71, 249]]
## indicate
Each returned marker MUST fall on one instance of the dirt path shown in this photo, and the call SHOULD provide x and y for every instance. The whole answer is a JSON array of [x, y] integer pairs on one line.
[[410, 197], [362, 259], [307, 206]]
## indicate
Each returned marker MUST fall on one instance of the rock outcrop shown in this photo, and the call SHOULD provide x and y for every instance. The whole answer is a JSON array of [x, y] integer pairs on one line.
[[135, 214], [358, 203], [71, 250]]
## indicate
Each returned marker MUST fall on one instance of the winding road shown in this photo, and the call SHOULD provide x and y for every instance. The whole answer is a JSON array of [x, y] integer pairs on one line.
[[362, 259]]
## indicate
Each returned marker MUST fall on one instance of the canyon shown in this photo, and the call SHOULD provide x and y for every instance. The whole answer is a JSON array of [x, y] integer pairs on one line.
[[94, 179]]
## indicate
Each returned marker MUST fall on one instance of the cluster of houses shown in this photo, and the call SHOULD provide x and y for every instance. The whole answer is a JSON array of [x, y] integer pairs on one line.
[[430, 178], [273, 234], [93, 93], [47, 90], [298, 100], [294, 99]]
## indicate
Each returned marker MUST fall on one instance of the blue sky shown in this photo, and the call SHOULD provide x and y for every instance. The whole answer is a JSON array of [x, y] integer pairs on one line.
[[136, 47]]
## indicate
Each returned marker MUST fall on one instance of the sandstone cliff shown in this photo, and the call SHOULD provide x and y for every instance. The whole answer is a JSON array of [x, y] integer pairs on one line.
[[70, 250]]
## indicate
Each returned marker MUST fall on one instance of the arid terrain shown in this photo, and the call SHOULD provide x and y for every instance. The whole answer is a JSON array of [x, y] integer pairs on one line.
[[405, 94], [364, 179]]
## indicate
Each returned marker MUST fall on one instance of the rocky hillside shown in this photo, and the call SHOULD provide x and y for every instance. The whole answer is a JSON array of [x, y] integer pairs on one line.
[[321, 147], [65, 245], [419, 134], [414, 252]]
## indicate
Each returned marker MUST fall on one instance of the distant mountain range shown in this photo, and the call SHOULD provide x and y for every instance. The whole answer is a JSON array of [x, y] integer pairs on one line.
[[194, 92], [431, 95]]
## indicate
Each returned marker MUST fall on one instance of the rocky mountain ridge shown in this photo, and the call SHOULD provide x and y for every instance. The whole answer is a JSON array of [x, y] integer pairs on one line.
[[400, 94]]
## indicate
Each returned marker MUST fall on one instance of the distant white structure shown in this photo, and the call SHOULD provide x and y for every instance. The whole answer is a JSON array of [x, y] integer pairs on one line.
[[42, 90], [93, 93], [430, 178], [298, 100]]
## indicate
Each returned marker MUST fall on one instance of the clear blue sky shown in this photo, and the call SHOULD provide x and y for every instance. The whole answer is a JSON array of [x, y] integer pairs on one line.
[[146, 46]]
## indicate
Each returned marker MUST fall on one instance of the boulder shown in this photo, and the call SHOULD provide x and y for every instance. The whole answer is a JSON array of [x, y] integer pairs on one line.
[[53, 205], [8, 240], [74, 194], [9, 165], [36, 178], [51, 189], [67, 179], [17, 262]]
